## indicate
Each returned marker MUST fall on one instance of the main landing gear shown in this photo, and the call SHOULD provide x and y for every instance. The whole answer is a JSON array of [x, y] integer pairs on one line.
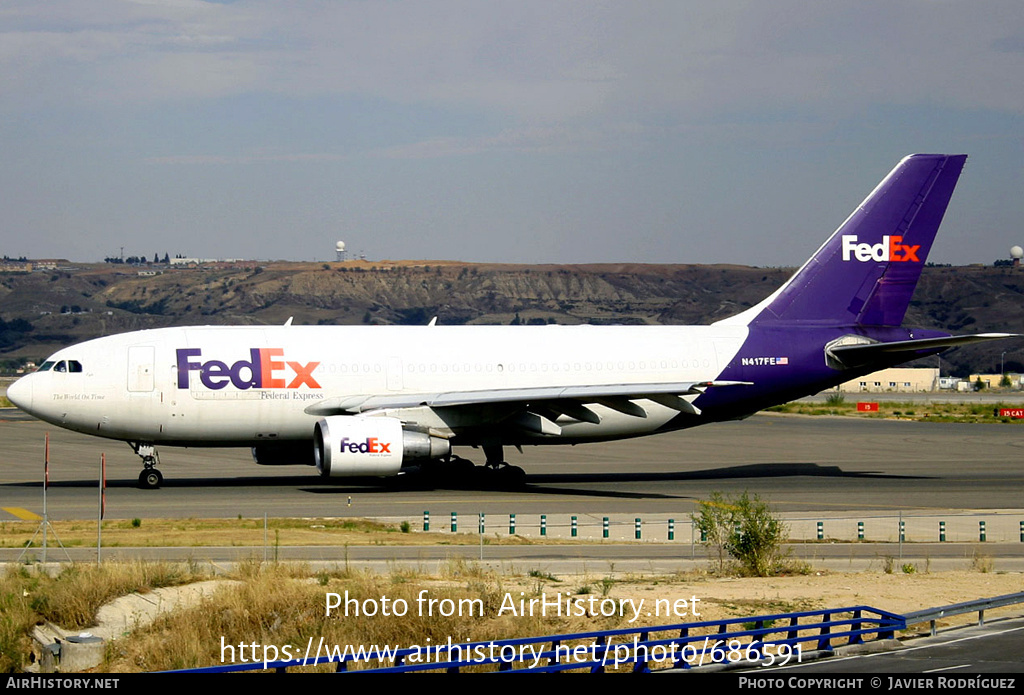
[[455, 471], [504, 474], [459, 472], [150, 478], [497, 473]]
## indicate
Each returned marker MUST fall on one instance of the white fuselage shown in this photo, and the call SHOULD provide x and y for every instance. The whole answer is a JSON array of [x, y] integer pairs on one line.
[[200, 386]]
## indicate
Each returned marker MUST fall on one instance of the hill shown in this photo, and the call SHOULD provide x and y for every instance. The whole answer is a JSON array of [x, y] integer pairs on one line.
[[42, 311]]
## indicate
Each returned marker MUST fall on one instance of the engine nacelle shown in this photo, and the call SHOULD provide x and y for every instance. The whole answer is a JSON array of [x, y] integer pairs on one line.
[[349, 445]]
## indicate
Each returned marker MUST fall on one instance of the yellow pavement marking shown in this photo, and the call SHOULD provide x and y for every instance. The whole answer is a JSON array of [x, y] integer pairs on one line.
[[22, 513]]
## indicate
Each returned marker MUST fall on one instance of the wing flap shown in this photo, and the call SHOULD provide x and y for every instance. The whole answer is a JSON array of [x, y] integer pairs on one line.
[[624, 406]]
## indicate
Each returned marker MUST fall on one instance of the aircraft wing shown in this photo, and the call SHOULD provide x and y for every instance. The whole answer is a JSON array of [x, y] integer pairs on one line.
[[568, 400]]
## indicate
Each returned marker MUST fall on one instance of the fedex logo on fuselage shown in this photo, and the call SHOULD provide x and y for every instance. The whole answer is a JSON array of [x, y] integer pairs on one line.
[[371, 445], [265, 369], [889, 250]]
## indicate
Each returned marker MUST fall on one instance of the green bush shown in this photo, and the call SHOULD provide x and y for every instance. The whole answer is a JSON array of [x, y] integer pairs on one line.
[[714, 521], [746, 528], [835, 398]]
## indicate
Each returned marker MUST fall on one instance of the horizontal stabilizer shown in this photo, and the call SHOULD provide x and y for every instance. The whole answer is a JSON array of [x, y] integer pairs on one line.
[[866, 353]]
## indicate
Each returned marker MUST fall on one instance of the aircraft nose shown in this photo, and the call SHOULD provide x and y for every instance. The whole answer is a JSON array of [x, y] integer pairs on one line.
[[20, 393]]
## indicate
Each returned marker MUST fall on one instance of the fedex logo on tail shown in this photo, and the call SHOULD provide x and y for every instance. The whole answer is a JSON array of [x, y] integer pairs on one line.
[[265, 369], [891, 249]]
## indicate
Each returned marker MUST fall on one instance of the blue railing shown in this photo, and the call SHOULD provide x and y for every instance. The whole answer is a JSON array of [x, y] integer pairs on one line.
[[767, 639]]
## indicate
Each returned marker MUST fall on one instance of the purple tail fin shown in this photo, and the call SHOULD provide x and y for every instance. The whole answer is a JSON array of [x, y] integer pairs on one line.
[[867, 271]]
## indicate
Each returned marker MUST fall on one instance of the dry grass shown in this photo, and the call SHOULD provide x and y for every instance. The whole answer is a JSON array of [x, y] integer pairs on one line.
[[284, 604], [245, 533], [893, 410], [72, 598], [278, 606], [16, 620]]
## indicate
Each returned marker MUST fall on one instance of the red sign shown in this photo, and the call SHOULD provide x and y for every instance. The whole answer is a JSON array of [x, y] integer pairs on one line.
[[867, 407], [1012, 412]]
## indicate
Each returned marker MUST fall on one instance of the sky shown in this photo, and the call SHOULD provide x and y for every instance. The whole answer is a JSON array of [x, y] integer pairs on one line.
[[727, 131]]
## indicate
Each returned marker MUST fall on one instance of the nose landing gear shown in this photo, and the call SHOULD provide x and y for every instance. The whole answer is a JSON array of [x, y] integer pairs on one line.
[[150, 478]]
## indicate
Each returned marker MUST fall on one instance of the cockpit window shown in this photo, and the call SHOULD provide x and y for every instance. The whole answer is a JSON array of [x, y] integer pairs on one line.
[[45, 366], [74, 366], [62, 366]]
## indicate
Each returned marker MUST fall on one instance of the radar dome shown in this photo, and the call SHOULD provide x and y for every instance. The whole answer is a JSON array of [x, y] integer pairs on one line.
[[340, 246], [1016, 252]]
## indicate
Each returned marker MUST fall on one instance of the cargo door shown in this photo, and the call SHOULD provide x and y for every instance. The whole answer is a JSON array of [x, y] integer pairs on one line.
[[140, 368]]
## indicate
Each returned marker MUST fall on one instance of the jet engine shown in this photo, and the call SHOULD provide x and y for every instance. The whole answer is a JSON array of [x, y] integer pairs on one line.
[[349, 445]]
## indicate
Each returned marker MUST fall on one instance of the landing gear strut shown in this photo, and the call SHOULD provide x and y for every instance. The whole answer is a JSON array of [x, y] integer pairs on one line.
[[504, 474], [150, 478], [456, 471]]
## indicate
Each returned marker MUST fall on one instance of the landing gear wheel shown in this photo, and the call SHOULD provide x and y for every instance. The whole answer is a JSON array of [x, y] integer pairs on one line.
[[150, 479], [456, 472], [460, 466], [511, 477]]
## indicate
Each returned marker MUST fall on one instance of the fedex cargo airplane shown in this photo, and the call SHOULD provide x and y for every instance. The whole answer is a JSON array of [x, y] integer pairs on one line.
[[383, 400]]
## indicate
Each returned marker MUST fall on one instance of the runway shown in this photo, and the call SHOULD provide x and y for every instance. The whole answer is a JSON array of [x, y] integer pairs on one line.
[[800, 465]]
